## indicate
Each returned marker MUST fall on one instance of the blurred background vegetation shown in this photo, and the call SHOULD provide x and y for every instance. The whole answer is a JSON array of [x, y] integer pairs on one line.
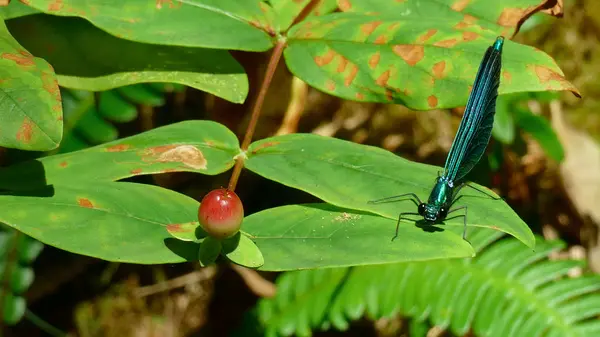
[[544, 159]]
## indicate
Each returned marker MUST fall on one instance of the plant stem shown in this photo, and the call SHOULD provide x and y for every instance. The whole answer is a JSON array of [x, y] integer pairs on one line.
[[256, 110]]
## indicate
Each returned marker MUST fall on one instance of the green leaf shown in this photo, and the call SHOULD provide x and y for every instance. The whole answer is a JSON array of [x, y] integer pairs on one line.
[[122, 222], [418, 60], [102, 61], [504, 124], [240, 24], [286, 11], [193, 146], [350, 175], [142, 94], [321, 235], [541, 130], [209, 251], [30, 106], [507, 290], [16, 9], [243, 251]]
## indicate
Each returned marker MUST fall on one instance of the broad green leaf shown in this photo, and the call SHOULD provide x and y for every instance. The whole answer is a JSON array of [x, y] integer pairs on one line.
[[196, 146], [16, 9], [350, 175], [30, 105], [322, 235], [209, 251], [504, 17], [421, 60], [102, 61], [122, 222], [504, 124], [541, 130], [239, 24], [286, 11], [243, 251]]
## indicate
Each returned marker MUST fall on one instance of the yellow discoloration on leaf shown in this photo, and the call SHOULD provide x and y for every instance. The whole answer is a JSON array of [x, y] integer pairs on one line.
[[368, 28], [342, 64], [374, 60], [325, 59], [188, 155], [459, 5], [350, 77], [425, 37], [330, 85], [438, 69], [411, 54], [383, 78], [446, 43], [470, 36], [25, 130]]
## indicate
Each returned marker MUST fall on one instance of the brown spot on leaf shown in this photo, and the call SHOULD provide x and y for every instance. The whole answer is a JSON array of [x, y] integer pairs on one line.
[[350, 78], [56, 5], [63, 164], [423, 38], [177, 228], [546, 74], [325, 59], [432, 101], [461, 25], [506, 75], [469, 19], [374, 60], [50, 84], [389, 95], [368, 28], [188, 155], [83, 202], [459, 5], [19, 59], [510, 17], [342, 65], [25, 130], [383, 78], [381, 39], [469, 36], [345, 5], [495, 227], [169, 170], [136, 171], [118, 148], [330, 85], [359, 96], [264, 146], [438, 69], [411, 54], [446, 43]]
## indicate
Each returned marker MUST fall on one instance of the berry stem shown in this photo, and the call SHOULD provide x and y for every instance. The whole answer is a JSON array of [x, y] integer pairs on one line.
[[256, 110]]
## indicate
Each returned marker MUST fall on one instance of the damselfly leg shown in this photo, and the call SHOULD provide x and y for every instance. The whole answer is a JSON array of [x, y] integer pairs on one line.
[[396, 198]]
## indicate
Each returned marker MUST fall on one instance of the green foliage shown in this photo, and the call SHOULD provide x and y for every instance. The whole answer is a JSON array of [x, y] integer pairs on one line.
[[507, 290], [348, 175], [30, 106], [112, 62], [89, 123], [512, 113], [17, 252], [376, 51]]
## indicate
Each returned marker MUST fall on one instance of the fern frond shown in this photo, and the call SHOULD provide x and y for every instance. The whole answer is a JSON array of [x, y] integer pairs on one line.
[[506, 290], [17, 252]]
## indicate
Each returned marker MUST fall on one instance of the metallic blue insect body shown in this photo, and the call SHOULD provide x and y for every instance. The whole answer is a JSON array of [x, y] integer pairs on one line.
[[469, 144]]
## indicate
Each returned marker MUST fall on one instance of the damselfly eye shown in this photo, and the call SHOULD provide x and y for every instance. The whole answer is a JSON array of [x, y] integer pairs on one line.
[[421, 209], [443, 212]]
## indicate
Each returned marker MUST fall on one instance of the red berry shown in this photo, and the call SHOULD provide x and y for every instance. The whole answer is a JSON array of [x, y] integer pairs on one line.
[[221, 213]]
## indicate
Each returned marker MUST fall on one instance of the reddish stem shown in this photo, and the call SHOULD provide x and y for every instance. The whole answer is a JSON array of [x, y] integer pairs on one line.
[[256, 110]]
